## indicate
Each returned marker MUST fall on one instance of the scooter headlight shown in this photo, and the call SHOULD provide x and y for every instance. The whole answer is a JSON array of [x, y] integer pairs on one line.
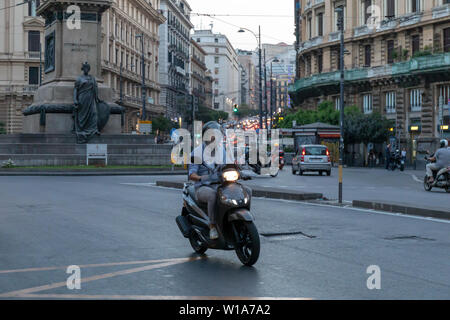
[[231, 176]]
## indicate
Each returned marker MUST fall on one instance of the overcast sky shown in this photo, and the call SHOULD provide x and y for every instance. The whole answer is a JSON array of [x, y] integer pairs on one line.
[[279, 27]]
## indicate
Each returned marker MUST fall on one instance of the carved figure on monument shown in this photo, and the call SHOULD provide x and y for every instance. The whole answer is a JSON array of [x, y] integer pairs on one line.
[[86, 101]]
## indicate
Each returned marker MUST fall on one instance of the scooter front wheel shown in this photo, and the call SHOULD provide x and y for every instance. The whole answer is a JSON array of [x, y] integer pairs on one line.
[[248, 247], [196, 243], [426, 185]]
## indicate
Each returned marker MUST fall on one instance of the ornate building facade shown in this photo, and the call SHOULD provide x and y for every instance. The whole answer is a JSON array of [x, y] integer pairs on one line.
[[175, 56], [21, 36], [397, 62], [122, 50]]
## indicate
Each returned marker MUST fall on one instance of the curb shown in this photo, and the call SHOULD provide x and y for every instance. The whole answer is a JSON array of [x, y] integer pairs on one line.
[[258, 192], [90, 172], [398, 208]]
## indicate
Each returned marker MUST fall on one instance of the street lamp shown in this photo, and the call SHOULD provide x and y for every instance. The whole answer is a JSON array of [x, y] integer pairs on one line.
[[340, 12], [258, 39]]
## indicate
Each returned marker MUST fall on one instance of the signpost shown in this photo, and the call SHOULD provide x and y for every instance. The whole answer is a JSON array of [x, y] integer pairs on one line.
[[145, 127], [96, 151]]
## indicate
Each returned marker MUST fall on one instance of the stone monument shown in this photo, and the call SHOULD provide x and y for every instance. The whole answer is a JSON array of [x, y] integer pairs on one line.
[[73, 36], [74, 106]]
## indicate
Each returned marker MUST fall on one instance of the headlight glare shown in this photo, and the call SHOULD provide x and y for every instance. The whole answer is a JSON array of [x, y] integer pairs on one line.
[[231, 176]]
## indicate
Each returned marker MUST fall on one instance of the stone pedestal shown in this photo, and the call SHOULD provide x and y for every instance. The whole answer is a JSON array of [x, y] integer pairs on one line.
[[72, 37]]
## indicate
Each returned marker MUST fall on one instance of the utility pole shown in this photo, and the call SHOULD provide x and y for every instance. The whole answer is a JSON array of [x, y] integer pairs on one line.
[[265, 91], [121, 84], [40, 61], [340, 12], [260, 80]]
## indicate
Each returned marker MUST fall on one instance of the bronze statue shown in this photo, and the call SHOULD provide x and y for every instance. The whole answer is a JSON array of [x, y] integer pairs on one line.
[[85, 96]]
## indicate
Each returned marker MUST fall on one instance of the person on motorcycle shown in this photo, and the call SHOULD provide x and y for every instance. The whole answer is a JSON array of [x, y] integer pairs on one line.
[[441, 159], [201, 174]]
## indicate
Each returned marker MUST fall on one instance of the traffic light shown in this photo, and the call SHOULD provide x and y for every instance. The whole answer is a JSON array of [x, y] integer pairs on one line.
[[235, 108]]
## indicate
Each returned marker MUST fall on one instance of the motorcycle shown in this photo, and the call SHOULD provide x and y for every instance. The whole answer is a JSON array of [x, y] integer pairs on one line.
[[281, 161], [256, 168], [235, 223], [441, 179], [397, 161]]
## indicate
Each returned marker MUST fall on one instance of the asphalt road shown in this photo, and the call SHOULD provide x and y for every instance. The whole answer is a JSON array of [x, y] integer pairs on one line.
[[121, 232]]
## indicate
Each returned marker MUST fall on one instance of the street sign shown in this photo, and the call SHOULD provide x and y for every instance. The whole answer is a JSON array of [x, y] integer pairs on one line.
[[145, 127], [96, 151]]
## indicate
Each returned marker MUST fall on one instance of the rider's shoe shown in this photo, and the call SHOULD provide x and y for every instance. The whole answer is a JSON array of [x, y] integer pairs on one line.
[[213, 234]]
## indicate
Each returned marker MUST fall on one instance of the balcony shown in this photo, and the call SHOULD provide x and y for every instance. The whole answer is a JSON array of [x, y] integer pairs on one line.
[[311, 43], [422, 65], [441, 12]]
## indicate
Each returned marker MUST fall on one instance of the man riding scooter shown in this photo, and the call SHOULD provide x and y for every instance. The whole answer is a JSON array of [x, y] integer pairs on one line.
[[203, 173], [440, 160]]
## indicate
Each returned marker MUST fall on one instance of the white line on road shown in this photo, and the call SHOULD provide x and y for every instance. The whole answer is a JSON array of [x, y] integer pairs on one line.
[[416, 179]]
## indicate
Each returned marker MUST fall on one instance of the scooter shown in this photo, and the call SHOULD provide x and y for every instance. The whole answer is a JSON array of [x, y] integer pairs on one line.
[[441, 179], [281, 161], [397, 161], [235, 223]]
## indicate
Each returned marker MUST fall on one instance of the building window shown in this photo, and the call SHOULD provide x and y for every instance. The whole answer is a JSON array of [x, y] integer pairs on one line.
[[415, 98], [309, 27], [216, 50], [216, 40], [415, 5], [390, 51], [337, 103], [320, 24], [447, 39], [198, 40], [444, 92], [216, 60], [33, 75], [367, 55], [367, 103], [32, 6], [319, 63], [216, 71], [34, 41], [390, 102], [216, 105], [390, 8], [367, 14], [415, 44]]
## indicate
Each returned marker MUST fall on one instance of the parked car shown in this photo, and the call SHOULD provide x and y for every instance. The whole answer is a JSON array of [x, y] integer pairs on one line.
[[312, 158]]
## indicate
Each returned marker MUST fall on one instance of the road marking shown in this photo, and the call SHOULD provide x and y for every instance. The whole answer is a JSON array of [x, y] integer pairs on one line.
[[19, 293], [144, 184], [149, 297], [111, 264]]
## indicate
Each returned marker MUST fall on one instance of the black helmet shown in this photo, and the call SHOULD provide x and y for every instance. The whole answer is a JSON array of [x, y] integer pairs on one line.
[[444, 143], [211, 125]]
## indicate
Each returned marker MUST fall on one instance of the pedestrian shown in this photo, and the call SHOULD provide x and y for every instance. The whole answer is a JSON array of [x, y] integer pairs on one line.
[[404, 154], [388, 156]]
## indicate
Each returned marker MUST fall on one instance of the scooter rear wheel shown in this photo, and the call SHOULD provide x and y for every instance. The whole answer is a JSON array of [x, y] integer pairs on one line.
[[248, 248], [426, 184], [196, 243]]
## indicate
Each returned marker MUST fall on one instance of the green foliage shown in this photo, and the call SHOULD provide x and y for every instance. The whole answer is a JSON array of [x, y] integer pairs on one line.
[[361, 128], [2, 128], [427, 51], [325, 113], [206, 114], [244, 111], [163, 124]]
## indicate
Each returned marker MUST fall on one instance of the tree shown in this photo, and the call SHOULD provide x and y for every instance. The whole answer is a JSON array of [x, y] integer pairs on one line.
[[2, 128], [244, 111], [206, 114], [163, 124]]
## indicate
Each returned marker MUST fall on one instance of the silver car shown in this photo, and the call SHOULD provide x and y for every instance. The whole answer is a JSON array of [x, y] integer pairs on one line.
[[312, 158]]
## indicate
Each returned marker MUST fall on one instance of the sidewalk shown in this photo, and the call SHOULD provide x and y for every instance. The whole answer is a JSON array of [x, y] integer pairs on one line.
[[92, 172]]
